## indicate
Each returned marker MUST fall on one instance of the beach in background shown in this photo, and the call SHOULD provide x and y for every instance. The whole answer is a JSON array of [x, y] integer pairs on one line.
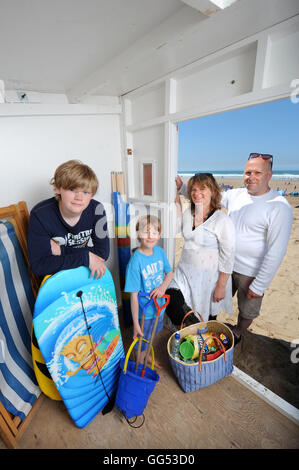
[[268, 350]]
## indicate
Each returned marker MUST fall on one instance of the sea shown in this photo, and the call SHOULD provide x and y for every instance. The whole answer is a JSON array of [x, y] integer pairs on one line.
[[238, 174]]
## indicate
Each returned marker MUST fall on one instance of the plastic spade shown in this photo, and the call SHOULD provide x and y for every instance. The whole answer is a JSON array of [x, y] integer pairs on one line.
[[144, 306], [159, 310]]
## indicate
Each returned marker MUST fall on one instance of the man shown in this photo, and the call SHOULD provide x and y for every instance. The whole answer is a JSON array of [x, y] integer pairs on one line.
[[263, 221]]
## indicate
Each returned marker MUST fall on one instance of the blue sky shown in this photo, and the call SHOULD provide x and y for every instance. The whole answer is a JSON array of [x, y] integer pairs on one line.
[[224, 141]]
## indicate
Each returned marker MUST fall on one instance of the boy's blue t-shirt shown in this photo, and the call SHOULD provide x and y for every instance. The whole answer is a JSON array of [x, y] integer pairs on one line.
[[145, 273]]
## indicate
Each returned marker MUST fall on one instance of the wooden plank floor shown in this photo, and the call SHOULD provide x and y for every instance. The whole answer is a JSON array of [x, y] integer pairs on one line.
[[225, 415]]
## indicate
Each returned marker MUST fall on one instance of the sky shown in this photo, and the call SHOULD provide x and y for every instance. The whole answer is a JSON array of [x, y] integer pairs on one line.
[[224, 141]]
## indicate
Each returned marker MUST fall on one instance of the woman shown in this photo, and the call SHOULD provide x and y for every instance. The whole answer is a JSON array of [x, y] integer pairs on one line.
[[202, 280]]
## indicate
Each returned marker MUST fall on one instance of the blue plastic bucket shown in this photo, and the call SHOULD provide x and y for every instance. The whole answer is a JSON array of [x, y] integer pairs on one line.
[[134, 391]]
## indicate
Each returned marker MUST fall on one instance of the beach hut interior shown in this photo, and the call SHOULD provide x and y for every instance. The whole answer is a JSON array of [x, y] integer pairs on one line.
[[107, 82]]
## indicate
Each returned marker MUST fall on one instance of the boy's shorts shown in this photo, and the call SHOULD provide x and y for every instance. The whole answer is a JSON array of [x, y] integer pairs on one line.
[[248, 308], [147, 331]]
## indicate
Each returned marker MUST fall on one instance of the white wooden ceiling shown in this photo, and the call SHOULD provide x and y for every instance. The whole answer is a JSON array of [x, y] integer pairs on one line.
[[51, 46], [109, 47]]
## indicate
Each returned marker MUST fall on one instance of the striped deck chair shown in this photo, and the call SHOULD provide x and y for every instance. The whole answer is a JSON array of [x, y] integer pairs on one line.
[[18, 386]]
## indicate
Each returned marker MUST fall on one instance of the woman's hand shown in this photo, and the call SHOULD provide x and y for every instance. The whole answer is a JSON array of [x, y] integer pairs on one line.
[[178, 204], [219, 293], [96, 265], [177, 199], [55, 248], [178, 182]]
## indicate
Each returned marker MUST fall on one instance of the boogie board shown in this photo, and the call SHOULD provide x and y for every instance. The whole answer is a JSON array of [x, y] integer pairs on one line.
[[41, 371], [42, 374], [76, 325]]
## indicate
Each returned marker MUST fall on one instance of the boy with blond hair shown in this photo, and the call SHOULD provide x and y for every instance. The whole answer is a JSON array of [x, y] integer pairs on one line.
[[148, 271], [70, 229]]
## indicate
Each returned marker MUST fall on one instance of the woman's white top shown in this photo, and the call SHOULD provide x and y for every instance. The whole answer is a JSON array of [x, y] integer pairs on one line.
[[208, 250]]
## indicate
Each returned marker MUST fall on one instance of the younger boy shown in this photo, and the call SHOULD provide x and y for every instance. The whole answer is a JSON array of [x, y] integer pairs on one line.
[[148, 271], [70, 229]]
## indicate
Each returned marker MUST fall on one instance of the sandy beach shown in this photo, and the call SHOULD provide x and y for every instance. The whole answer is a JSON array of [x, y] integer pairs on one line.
[[268, 350]]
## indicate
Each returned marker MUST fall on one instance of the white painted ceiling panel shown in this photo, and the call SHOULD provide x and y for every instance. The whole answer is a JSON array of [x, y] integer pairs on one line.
[[50, 46], [110, 47]]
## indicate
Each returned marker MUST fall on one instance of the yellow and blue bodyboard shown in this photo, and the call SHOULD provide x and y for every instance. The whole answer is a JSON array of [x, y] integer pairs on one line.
[[77, 328]]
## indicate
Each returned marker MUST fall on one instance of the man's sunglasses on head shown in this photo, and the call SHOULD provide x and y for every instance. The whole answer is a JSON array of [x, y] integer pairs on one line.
[[264, 156]]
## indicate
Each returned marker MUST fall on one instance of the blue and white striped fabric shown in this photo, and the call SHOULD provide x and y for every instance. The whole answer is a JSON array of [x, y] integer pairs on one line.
[[18, 386]]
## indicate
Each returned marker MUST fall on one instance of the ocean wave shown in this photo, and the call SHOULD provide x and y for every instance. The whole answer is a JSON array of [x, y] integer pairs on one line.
[[285, 176]]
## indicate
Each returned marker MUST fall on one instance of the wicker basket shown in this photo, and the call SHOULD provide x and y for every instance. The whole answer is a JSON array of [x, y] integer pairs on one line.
[[193, 377]]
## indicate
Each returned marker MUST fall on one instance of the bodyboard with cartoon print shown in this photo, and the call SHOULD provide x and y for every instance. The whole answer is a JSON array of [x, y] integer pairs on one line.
[[41, 371], [76, 325]]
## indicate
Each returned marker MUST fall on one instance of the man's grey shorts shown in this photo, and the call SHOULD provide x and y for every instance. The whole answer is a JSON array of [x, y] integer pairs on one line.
[[248, 308]]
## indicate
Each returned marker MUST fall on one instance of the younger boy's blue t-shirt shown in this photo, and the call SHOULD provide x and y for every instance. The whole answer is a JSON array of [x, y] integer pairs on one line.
[[145, 273]]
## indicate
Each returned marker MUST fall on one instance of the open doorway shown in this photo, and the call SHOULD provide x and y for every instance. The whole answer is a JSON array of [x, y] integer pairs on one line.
[[221, 144]]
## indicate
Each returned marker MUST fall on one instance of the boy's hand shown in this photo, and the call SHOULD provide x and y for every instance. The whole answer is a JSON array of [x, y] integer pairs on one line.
[[157, 292], [137, 331], [55, 248], [96, 266]]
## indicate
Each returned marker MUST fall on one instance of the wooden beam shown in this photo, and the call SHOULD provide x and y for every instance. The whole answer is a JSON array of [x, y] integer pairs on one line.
[[262, 61], [136, 58], [263, 392], [182, 39], [57, 109], [206, 7]]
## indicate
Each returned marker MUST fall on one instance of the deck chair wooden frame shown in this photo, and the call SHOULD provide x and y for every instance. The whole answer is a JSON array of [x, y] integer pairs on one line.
[[11, 427]]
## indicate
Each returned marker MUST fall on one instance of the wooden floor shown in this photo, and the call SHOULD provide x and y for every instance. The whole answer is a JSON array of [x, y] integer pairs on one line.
[[225, 415]]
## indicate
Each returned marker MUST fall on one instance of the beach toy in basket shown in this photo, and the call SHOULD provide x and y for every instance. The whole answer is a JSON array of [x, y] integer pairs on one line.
[[137, 381], [201, 354]]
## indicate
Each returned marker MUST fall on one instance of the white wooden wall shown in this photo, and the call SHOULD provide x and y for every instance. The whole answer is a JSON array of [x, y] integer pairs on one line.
[[35, 139], [255, 70]]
